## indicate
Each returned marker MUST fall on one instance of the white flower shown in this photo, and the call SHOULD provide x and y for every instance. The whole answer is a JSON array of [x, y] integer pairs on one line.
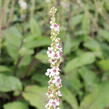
[[48, 72], [53, 103], [50, 95], [57, 55], [55, 70], [55, 27], [53, 61], [50, 52], [48, 1], [58, 108], [23, 4], [59, 47], [59, 93], [51, 22], [57, 81], [52, 72], [57, 40]]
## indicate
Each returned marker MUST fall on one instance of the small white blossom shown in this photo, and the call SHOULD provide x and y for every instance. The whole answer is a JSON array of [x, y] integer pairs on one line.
[[55, 27], [59, 93], [57, 81], [48, 72], [57, 55], [23, 4], [48, 1], [52, 72], [53, 103], [53, 61], [50, 52]]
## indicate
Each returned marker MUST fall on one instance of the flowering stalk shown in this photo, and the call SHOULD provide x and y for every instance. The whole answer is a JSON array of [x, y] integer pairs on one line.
[[23, 6], [54, 53]]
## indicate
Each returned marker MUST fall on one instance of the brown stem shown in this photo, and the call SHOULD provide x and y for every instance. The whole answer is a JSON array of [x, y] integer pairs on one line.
[[17, 65], [30, 68], [3, 15], [11, 12], [18, 60], [58, 3]]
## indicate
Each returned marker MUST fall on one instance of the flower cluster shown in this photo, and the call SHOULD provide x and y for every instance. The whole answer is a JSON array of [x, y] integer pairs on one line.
[[54, 53], [23, 8]]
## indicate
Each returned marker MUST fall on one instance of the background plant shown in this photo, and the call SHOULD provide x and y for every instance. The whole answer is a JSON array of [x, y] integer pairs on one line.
[[23, 59]]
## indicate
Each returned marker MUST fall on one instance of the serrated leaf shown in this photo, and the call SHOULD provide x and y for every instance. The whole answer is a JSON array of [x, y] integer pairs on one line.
[[89, 77], [67, 45], [77, 19], [35, 27], [40, 78], [36, 42], [13, 36], [13, 51], [25, 61], [16, 105], [42, 56], [9, 83], [75, 85], [94, 46], [36, 96], [82, 60], [70, 98], [26, 51], [13, 39]]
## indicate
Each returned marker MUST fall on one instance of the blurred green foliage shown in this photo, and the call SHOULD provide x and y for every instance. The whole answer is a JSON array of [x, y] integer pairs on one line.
[[24, 38]]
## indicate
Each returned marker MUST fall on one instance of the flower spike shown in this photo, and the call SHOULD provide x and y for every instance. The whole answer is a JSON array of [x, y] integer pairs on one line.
[[55, 54]]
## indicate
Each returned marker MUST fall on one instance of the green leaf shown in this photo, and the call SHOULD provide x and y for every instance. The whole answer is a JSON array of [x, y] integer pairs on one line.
[[42, 56], [16, 105], [26, 51], [89, 77], [9, 83], [77, 19], [13, 40], [70, 98], [80, 61], [36, 96], [86, 23], [94, 46], [36, 42], [75, 85], [12, 51], [104, 64], [98, 99], [76, 42], [13, 36], [40, 78], [35, 27], [103, 35], [25, 61], [67, 45], [106, 4], [4, 69]]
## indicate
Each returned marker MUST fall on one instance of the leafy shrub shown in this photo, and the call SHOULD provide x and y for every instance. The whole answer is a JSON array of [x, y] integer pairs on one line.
[[23, 59]]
